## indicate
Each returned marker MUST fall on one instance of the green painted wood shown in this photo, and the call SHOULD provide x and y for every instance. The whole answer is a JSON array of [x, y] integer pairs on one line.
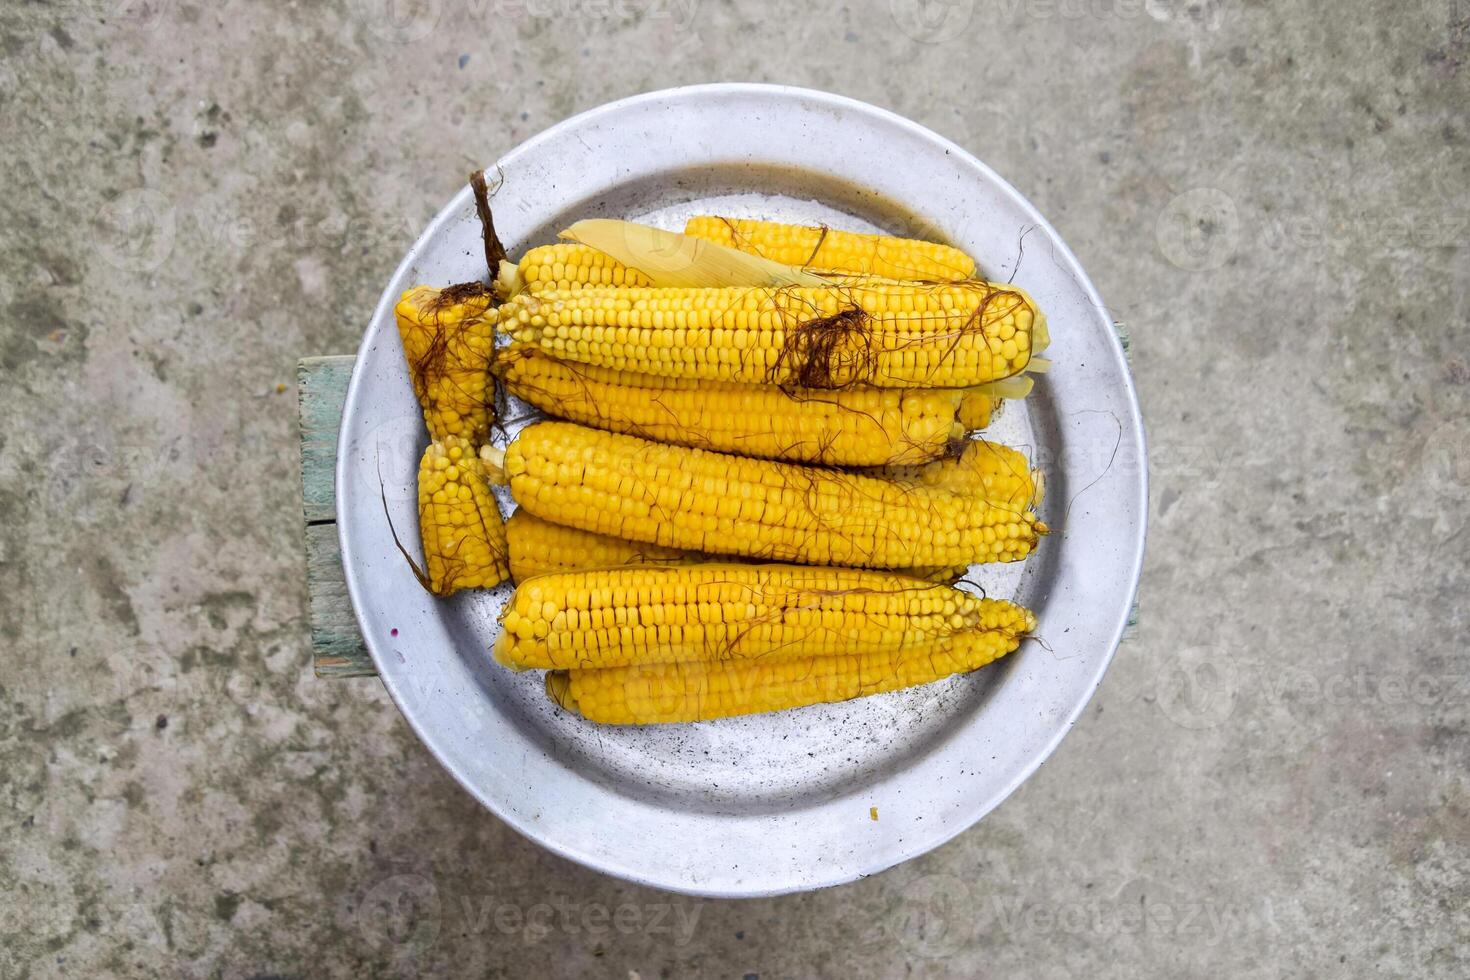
[[338, 646], [338, 650], [321, 387]]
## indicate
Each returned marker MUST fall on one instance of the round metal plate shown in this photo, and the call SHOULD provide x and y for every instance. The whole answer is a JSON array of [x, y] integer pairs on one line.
[[781, 802]]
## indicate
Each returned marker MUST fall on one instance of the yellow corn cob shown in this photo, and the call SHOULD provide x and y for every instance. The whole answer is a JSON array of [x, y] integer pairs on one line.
[[851, 427], [566, 265], [976, 410], [617, 617], [955, 335], [448, 339], [829, 250], [538, 547], [572, 265], [995, 473], [464, 540], [699, 690], [690, 498]]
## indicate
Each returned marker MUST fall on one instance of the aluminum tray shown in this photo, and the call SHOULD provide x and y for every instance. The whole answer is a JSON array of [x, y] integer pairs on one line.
[[781, 802]]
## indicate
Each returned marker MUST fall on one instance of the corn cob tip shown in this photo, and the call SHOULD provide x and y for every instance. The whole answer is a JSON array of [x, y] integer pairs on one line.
[[508, 280], [977, 410], [500, 652], [492, 459]]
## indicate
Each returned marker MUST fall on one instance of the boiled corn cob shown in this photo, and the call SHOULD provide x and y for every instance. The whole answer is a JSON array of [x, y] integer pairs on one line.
[[538, 547], [619, 617], [463, 538], [853, 427], [571, 265], [565, 265], [690, 498], [699, 690], [702, 691], [990, 471], [448, 338], [955, 335], [824, 249]]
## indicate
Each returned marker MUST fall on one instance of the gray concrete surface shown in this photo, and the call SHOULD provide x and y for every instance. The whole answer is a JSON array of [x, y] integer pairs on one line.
[[1272, 781]]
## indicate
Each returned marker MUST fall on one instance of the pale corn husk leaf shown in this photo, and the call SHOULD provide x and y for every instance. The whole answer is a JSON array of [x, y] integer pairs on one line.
[[1016, 386], [671, 259], [1040, 335]]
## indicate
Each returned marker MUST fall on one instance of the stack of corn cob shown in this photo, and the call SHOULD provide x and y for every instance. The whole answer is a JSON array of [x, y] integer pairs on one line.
[[812, 409]]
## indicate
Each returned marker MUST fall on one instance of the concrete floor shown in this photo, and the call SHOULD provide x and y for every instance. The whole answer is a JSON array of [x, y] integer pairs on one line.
[[1272, 780]]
